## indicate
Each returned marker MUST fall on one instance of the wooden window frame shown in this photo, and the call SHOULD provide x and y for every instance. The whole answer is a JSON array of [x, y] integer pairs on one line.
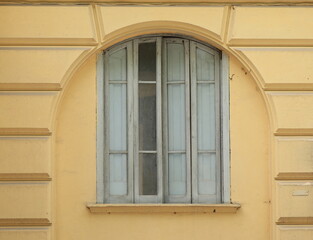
[[148, 198], [168, 198], [222, 132], [193, 82]]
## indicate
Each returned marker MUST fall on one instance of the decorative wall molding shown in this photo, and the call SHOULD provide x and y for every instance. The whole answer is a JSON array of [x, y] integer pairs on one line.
[[25, 177], [288, 87], [48, 42], [166, 2], [295, 176], [295, 221], [30, 87], [25, 132], [54, 27], [270, 42], [24, 222], [294, 132]]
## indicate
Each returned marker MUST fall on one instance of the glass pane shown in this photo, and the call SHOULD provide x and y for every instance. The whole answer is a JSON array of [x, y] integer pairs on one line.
[[175, 62], [117, 66], [118, 119], [147, 116], [177, 174], [205, 66], [147, 174], [206, 173], [176, 117], [118, 174], [147, 62], [206, 116]]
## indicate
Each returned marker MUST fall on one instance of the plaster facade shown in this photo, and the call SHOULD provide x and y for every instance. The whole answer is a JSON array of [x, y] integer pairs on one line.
[[48, 99]]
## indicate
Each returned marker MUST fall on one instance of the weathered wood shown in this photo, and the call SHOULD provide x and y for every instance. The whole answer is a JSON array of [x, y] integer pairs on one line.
[[194, 131], [195, 111], [103, 132], [225, 144], [159, 132]]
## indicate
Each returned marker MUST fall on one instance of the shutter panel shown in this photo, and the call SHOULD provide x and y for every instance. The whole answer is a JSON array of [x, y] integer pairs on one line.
[[176, 120], [205, 124], [118, 124]]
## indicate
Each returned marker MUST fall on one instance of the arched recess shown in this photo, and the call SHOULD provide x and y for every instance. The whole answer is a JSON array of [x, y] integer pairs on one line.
[[74, 155], [165, 27]]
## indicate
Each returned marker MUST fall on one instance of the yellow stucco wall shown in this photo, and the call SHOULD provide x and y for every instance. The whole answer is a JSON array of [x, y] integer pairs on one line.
[[48, 119]]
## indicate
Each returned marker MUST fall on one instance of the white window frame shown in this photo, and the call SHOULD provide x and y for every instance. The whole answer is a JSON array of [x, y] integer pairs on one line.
[[222, 103]]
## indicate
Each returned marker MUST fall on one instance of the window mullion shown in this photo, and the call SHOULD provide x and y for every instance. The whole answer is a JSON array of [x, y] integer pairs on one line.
[[193, 111], [188, 120], [100, 129], [106, 130], [130, 118], [159, 119], [225, 145], [218, 196], [165, 123], [136, 127]]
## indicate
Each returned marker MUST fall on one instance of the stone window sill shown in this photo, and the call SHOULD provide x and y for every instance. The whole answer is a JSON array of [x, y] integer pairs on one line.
[[163, 208]]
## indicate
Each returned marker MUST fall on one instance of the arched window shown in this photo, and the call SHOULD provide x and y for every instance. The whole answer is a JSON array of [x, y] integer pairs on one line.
[[162, 117]]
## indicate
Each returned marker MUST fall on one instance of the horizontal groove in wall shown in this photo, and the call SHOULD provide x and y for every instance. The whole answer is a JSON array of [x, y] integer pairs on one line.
[[270, 43], [30, 87], [288, 87], [47, 42], [24, 222], [294, 132], [295, 176], [25, 177], [25, 132], [295, 221]]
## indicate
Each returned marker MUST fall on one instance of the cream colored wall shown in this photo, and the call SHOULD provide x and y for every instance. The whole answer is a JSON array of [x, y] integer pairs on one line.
[[75, 183], [48, 125]]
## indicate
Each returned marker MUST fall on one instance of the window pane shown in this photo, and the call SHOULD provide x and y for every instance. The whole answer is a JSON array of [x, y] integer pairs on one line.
[[118, 119], [175, 62], [117, 66], [206, 116], [177, 174], [147, 62], [205, 66], [118, 174], [206, 173], [147, 116], [176, 117], [147, 174]]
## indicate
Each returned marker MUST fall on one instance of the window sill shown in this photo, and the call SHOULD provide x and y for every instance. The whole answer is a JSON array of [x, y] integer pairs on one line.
[[163, 208]]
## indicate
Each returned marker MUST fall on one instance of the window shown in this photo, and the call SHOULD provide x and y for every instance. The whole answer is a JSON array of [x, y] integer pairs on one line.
[[162, 132]]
